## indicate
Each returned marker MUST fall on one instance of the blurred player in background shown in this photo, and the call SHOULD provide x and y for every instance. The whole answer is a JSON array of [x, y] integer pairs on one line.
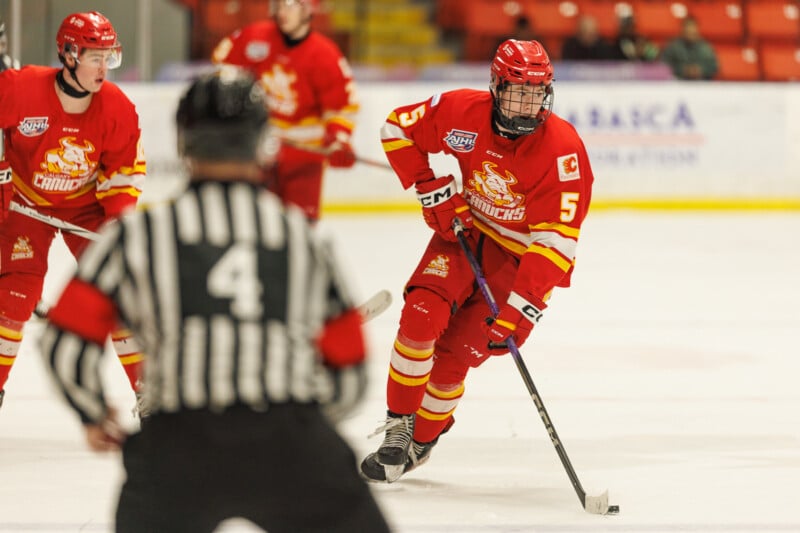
[[6, 61], [251, 340], [71, 138], [527, 185], [311, 97]]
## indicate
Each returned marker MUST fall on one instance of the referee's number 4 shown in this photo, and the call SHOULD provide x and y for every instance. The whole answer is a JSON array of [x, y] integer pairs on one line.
[[235, 277]]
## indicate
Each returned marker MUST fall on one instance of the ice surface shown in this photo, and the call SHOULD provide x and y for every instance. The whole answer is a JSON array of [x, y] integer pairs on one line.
[[669, 369]]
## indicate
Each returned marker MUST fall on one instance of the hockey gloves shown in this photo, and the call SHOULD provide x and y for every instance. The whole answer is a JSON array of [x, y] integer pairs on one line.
[[441, 204], [516, 319], [342, 340], [6, 189], [340, 152]]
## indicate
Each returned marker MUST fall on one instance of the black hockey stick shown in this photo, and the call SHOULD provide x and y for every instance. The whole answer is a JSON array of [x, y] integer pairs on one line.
[[592, 504]]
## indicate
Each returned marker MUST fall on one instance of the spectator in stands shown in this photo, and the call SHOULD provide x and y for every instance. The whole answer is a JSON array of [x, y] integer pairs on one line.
[[689, 55], [587, 44], [631, 45]]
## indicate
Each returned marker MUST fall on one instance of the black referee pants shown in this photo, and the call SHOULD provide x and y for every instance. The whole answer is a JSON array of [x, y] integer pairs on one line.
[[286, 470]]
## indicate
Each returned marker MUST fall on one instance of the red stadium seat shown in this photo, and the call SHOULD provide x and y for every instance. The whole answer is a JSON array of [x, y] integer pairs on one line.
[[773, 20], [737, 63], [450, 14], [607, 14], [552, 18], [486, 22], [719, 20], [780, 62], [660, 21]]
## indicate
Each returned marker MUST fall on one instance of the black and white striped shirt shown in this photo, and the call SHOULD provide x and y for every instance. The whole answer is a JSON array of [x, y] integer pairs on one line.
[[225, 290]]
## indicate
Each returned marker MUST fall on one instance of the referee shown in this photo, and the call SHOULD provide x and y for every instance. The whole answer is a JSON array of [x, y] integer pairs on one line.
[[250, 338]]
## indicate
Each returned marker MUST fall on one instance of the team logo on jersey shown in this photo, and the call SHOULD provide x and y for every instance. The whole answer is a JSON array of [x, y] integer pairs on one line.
[[490, 193], [257, 50], [439, 266], [66, 169], [278, 84], [568, 169], [33, 126], [22, 249], [460, 140]]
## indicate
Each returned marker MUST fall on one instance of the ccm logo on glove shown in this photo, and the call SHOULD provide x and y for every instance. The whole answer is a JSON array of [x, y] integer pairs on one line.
[[441, 204]]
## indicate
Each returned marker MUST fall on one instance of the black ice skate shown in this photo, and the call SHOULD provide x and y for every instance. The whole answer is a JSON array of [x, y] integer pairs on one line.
[[388, 463], [418, 454], [373, 470], [2, 394]]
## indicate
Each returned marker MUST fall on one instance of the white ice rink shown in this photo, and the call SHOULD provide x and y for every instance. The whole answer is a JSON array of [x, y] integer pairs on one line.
[[670, 370]]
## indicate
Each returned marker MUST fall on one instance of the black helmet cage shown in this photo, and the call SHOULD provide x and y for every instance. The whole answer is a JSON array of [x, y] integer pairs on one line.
[[519, 125]]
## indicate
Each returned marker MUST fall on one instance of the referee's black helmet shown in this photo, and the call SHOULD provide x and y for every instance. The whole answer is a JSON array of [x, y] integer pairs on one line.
[[222, 117]]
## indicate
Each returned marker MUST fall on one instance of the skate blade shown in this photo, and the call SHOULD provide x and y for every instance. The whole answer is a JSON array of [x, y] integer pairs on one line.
[[393, 472]]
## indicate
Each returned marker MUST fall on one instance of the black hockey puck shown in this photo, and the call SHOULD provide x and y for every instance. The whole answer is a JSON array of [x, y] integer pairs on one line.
[[613, 509]]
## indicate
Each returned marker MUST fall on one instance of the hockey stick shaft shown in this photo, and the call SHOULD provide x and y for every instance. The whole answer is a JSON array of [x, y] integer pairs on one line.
[[480, 279], [54, 221], [322, 151]]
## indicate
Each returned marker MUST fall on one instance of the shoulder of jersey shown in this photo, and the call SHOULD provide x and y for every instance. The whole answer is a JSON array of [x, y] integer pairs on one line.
[[260, 29]]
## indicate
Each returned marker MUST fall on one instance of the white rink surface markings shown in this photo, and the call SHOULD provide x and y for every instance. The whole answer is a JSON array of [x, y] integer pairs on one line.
[[669, 369]]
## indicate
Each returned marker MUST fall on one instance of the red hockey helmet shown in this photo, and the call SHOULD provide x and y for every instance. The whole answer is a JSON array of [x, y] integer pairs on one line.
[[521, 63], [80, 31]]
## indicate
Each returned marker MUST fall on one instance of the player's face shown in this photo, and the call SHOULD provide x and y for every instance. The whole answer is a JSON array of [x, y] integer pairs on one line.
[[522, 100], [292, 17], [93, 66]]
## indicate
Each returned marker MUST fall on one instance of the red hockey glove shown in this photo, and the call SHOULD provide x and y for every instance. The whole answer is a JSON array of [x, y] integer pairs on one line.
[[517, 318], [340, 152], [6, 189], [441, 204], [342, 340]]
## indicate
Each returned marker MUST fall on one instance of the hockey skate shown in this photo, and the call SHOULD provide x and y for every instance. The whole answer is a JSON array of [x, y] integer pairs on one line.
[[388, 463], [372, 469]]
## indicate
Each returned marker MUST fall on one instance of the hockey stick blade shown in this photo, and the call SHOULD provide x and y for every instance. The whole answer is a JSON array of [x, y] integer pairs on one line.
[[376, 305], [599, 505]]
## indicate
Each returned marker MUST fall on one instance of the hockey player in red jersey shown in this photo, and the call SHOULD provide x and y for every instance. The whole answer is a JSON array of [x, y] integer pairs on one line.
[[71, 140], [312, 101], [525, 189]]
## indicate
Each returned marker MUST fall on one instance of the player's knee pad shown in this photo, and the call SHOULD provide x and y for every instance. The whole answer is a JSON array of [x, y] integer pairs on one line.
[[19, 301], [425, 315]]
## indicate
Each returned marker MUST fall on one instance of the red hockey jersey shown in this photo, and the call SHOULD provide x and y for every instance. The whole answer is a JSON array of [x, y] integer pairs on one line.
[[309, 85], [70, 160], [529, 194]]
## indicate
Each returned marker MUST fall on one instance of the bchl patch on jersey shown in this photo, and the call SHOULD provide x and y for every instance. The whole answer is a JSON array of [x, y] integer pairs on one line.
[[460, 140], [33, 126], [568, 169], [257, 50], [440, 266]]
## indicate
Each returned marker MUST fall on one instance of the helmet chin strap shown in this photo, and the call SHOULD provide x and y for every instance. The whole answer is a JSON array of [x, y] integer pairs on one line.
[[68, 89]]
